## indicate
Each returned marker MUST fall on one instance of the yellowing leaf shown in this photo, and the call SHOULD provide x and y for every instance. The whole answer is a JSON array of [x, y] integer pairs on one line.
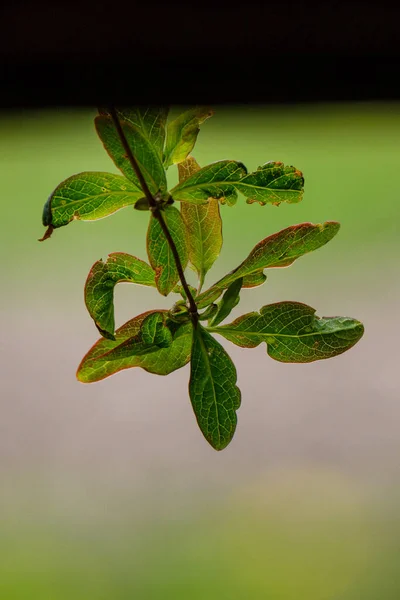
[[203, 224], [182, 134]]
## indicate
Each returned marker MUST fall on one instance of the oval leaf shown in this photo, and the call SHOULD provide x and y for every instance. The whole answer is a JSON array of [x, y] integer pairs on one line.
[[278, 250], [293, 333], [159, 252], [96, 365], [212, 388], [103, 277], [203, 224], [182, 134], [88, 196], [271, 183]]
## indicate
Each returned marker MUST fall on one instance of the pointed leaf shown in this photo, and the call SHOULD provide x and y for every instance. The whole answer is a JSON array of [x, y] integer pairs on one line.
[[212, 181], [271, 183], [162, 361], [278, 250], [146, 154], [159, 252], [293, 333], [182, 134], [204, 226], [212, 388], [230, 299], [88, 196], [99, 288]]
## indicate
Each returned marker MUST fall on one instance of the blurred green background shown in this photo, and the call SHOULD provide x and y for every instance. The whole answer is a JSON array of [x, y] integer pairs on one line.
[[108, 490]]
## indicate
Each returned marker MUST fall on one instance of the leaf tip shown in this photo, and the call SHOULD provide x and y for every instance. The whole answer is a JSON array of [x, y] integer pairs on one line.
[[333, 226], [47, 233], [79, 375]]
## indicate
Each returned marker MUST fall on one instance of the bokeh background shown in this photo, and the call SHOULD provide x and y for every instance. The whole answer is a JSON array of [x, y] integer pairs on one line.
[[109, 490]]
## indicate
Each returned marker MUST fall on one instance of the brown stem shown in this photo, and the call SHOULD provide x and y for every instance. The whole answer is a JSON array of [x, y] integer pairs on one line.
[[157, 214]]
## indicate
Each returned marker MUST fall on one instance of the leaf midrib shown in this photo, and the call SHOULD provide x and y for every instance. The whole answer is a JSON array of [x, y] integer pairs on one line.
[[208, 368], [88, 198], [153, 151], [278, 335], [233, 183]]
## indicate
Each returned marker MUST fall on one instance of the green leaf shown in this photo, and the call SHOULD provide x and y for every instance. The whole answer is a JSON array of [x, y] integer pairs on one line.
[[149, 338], [99, 289], [142, 204], [204, 226], [88, 196], [161, 361], [212, 181], [159, 251], [209, 313], [179, 312], [182, 134], [178, 289], [255, 279], [150, 120], [230, 299], [271, 183], [293, 333], [155, 331], [146, 154], [212, 388], [278, 250]]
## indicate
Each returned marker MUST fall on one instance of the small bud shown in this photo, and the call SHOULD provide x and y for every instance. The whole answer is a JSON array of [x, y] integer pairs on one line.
[[142, 204]]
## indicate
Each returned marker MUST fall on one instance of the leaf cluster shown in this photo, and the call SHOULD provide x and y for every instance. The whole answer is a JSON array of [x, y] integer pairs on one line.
[[162, 341]]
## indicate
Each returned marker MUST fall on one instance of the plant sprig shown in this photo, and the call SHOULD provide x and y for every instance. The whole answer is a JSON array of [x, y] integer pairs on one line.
[[143, 144]]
